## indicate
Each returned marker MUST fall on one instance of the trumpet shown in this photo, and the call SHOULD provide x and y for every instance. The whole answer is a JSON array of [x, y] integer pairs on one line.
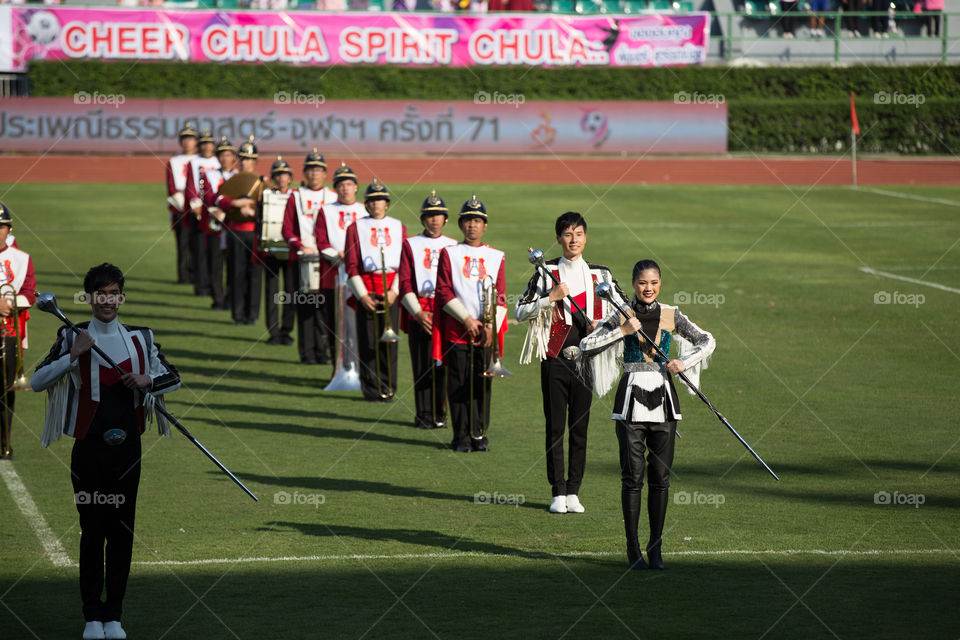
[[389, 336], [20, 382]]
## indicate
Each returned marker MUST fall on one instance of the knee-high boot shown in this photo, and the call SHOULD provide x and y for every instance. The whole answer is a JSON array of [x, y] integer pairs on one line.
[[656, 511], [630, 499]]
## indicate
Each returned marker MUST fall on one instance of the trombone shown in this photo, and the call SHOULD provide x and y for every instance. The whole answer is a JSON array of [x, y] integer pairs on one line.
[[20, 382], [488, 306], [388, 336]]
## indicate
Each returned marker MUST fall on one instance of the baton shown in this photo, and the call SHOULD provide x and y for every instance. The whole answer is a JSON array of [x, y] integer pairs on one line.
[[536, 258], [604, 290], [48, 302]]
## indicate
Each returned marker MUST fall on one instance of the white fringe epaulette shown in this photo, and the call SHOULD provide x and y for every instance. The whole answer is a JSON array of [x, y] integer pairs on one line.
[[538, 337], [604, 368], [685, 347], [57, 407], [150, 413]]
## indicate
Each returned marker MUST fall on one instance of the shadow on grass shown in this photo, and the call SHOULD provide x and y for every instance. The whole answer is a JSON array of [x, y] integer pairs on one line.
[[490, 596], [315, 418]]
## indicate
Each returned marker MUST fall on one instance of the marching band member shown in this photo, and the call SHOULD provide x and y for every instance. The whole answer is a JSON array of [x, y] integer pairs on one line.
[[299, 220], [243, 263], [556, 326], [106, 413], [330, 233], [177, 168], [196, 177], [279, 324], [212, 219], [372, 248], [16, 270], [646, 406], [462, 335], [418, 278]]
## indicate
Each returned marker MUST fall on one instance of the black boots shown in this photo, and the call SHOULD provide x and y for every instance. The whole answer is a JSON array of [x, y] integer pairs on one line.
[[630, 501], [656, 511]]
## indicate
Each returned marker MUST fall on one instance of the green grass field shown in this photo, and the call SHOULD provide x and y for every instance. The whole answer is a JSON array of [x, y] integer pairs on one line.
[[843, 397]]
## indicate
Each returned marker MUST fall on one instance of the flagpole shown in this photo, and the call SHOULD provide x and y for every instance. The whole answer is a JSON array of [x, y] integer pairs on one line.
[[854, 132], [853, 146]]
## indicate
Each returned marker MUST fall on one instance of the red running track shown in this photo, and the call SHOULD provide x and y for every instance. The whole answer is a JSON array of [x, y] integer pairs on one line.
[[530, 170]]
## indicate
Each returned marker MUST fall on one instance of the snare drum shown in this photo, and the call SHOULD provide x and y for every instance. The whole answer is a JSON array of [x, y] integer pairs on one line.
[[309, 272], [271, 238]]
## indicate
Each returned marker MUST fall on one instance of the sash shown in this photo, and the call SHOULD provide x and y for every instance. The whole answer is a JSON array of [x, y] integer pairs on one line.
[[200, 165], [338, 217], [308, 203], [470, 266], [373, 234], [179, 165], [426, 255]]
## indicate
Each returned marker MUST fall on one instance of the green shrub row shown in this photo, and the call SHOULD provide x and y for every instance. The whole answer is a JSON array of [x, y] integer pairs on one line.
[[774, 109]]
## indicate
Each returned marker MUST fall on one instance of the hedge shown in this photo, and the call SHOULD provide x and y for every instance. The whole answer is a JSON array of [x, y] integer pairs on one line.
[[772, 109]]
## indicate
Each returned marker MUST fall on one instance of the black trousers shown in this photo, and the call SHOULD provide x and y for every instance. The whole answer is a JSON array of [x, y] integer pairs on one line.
[[429, 380], [9, 397], [105, 481], [280, 311], [468, 392], [566, 401], [312, 340], [201, 260], [183, 238], [376, 383], [646, 447], [245, 275], [215, 270]]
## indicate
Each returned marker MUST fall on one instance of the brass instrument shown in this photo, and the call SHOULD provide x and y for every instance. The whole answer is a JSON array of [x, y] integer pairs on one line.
[[245, 184], [389, 336], [496, 368]]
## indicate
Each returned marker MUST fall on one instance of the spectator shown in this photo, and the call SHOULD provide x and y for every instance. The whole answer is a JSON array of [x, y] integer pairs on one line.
[[786, 21], [880, 24], [511, 5], [852, 23], [817, 7], [932, 21]]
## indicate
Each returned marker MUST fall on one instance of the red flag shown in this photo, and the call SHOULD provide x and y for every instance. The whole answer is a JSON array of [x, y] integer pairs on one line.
[[853, 115]]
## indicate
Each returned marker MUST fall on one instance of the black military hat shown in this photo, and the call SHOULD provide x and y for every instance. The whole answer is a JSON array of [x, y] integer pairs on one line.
[[376, 191], [473, 208], [206, 136], [342, 173], [187, 131], [314, 159], [224, 145], [6, 219], [433, 205], [249, 150], [280, 166]]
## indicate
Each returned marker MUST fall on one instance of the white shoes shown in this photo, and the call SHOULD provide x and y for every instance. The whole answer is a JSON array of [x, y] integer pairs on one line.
[[566, 504], [559, 504], [93, 631], [113, 631]]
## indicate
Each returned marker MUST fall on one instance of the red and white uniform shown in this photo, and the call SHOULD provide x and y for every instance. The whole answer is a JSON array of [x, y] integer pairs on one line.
[[300, 217], [195, 169], [460, 275], [16, 268], [178, 168], [418, 274], [330, 234], [361, 252], [213, 180]]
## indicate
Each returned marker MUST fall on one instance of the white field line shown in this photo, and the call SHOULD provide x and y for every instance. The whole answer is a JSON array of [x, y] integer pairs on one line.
[[51, 544], [536, 555], [894, 276], [908, 196]]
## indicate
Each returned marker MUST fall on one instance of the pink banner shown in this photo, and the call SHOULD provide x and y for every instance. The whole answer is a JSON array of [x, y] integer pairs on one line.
[[493, 123], [313, 38]]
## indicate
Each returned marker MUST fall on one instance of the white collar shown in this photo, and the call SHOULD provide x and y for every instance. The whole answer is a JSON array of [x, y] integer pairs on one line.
[[104, 328]]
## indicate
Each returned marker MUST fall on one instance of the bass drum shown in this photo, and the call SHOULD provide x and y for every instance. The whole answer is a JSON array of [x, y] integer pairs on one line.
[[309, 273]]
